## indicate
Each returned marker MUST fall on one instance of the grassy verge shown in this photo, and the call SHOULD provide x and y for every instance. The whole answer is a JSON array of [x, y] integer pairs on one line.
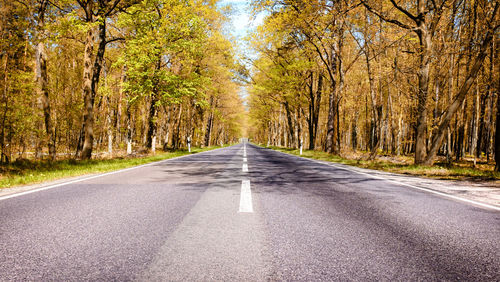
[[31, 172], [454, 171]]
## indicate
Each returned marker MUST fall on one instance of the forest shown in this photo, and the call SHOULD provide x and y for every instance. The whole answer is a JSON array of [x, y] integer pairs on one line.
[[87, 78], [82, 79], [385, 77]]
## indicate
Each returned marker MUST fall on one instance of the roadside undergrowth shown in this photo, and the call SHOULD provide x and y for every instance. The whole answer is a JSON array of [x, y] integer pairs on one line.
[[462, 170], [24, 171]]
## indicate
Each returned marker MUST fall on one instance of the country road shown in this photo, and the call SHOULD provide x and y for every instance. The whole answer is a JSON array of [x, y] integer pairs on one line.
[[244, 213]]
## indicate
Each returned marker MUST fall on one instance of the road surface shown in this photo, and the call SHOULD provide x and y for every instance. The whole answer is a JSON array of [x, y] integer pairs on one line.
[[244, 213]]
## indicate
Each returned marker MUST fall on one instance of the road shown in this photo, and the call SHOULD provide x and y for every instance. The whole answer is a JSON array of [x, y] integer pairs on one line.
[[244, 213]]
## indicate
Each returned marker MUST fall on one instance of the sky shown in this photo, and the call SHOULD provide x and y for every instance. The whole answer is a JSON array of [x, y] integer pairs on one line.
[[241, 21], [241, 25]]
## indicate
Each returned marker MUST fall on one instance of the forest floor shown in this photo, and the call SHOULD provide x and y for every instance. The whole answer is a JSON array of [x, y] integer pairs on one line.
[[463, 170], [26, 171]]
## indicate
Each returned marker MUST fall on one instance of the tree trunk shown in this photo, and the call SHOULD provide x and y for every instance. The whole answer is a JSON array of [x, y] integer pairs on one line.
[[208, 131], [423, 85], [152, 126], [89, 96], [176, 137], [167, 127], [497, 137], [5, 97], [42, 78], [129, 129], [314, 106], [450, 91], [331, 136], [332, 126], [475, 124], [109, 126], [375, 138], [290, 125], [489, 117]]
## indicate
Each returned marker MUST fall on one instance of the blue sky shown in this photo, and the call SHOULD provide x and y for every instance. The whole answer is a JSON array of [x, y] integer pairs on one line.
[[240, 26], [241, 21]]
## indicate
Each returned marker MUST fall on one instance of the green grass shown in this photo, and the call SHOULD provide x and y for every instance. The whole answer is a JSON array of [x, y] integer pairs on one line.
[[31, 172], [463, 170]]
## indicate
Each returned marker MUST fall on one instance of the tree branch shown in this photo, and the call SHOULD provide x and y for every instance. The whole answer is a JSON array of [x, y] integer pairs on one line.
[[408, 14], [111, 8], [393, 21], [114, 39], [436, 18]]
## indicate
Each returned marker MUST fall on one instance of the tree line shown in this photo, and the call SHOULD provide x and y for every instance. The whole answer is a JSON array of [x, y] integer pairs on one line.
[[80, 76], [384, 76]]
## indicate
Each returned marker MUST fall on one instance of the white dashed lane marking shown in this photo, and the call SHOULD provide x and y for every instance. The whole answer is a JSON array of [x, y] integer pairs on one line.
[[246, 197]]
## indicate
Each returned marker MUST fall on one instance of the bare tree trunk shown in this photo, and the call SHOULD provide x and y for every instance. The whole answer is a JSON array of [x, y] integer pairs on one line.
[[290, 125], [314, 105], [497, 137], [152, 126], [316, 109], [87, 94], [208, 131], [375, 138], [332, 125], [494, 54], [119, 110], [42, 78], [450, 91], [92, 73], [176, 137], [167, 127], [475, 123], [459, 146], [3, 156], [388, 120], [423, 85], [481, 125], [152, 123], [110, 127], [129, 129], [340, 88], [331, 137], [299, 129], [489, 117]]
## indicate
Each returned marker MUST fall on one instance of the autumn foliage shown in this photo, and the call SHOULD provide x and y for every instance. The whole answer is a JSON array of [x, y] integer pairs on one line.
[[86, 77], [381, 76]]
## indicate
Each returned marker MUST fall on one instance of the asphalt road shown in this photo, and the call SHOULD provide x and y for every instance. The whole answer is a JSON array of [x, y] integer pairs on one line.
[[226, 217]]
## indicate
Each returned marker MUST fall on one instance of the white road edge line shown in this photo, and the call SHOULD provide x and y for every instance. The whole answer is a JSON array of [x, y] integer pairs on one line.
[[244, 160], [403, 184], [244, 168], [246, 197], [97, 176]]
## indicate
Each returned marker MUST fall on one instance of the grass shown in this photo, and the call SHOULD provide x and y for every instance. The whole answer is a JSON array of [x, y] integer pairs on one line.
[[24, 172], [463, 170]]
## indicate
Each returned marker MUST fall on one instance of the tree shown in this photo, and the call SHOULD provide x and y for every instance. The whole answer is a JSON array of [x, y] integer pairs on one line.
[[96, 13], [425, 20], [438, 136]]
